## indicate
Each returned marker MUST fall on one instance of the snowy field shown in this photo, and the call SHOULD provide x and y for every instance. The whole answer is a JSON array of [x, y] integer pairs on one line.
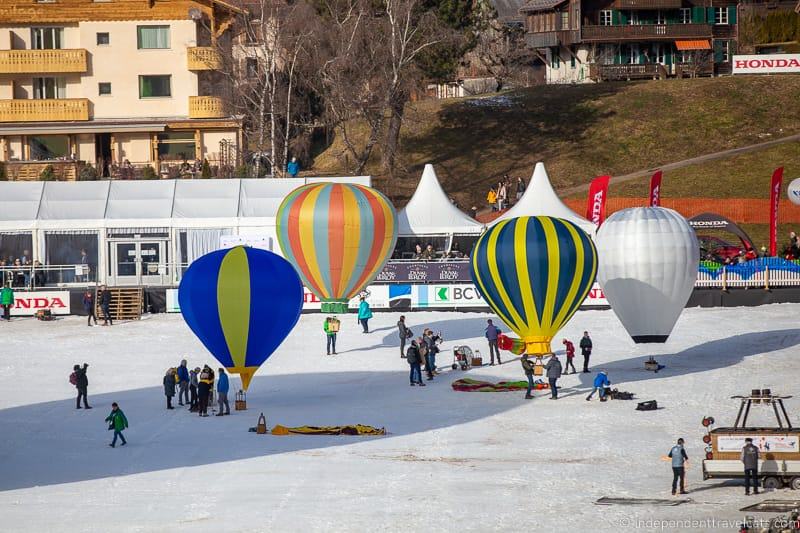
[[453, 461]]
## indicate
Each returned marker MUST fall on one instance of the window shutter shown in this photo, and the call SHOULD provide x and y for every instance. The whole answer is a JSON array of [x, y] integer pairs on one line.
[[732, 15], [718, 51], [698, 15], [623, 18], [710, 17]]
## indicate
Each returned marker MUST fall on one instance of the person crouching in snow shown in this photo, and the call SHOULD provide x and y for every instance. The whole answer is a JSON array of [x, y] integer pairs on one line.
[[222, 392], [570, 348], [169, 386], [117, 421], [331, 327], [601, 381], [527, 366]]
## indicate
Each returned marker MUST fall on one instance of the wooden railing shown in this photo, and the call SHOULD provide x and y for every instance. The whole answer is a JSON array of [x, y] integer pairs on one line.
[[646, 31], [203, 58], [42, 61], [627, 72], [60, 109], [548, 39], [206, 107], [32, 170], [647, 4]]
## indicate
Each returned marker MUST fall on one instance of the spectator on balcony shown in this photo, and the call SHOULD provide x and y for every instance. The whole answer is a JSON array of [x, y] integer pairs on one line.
[[455, 252], [418, 251], [429, 254], [20, 278], [39, 278]]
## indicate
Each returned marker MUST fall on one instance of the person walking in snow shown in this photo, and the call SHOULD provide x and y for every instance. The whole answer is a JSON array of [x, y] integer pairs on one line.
[[169, 386], [491, 334], [601, 381], [414, 360], [193, 382], [331, 327], [7, 301], [527, 366], [679, 458], [404, 333], [749, 458], [222, 392], [82, 384], [88, 306], [364, 314], [183, 383], [118, 422], [586, 350], [105, 305], [553, 369], [570, 349], [206, 380]]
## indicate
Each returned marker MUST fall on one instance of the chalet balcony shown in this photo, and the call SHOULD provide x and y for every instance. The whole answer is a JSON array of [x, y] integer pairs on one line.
[[647, 4], [49, 110], [206, 107], [549, 39], [645, 71], [646, 32], [43, 61], [32, 170], [203, 58]]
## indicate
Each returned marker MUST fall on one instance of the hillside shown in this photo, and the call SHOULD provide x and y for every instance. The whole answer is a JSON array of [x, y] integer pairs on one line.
[[586, 130]]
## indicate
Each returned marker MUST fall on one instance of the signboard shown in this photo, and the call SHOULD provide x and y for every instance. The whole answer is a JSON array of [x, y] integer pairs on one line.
[[172, 301], [377, 297], [27, 303], [765, 443], [766, 64], [447, 296], [254, 241], [425, 272]]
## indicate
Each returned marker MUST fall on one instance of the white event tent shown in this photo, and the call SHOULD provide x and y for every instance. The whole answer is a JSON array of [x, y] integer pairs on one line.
[[541, 199], [137, 232], [431, 216]]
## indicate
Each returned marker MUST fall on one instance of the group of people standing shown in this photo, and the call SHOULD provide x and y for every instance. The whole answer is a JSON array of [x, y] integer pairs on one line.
[[553, 369], [748, 457], [499, 196], [421, 350], [195, 388], [104, 296]]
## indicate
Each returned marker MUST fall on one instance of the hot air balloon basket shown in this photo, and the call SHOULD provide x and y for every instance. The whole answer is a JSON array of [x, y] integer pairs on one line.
[[240, 404], [261, 426]]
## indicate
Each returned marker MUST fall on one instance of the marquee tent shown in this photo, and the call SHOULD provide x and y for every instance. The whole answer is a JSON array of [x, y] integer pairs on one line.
[[430, 211], [541, 199]]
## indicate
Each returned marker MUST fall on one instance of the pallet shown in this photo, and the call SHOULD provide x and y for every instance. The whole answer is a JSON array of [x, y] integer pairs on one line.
[[126, 303]]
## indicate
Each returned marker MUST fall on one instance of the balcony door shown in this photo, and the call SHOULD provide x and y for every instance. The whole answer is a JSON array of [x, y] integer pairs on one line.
[[47, 88], [47, 38]]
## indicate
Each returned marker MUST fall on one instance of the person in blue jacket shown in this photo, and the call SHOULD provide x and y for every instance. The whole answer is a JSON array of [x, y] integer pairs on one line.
[[183, 383], [601, 381], [491, 333], [293, 167], [364, 314], [222, 392]]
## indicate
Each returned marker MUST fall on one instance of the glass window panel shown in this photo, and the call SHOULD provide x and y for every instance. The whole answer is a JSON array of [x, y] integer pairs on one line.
[[154, 86], [46, 147], [152, 37]]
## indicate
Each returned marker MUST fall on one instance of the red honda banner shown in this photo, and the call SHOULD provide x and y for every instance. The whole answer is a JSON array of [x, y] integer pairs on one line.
[[596, 206], [775, 196], [655, 189]]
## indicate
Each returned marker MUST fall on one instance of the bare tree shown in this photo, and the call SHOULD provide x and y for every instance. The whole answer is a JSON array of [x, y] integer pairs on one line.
[[500, 48]]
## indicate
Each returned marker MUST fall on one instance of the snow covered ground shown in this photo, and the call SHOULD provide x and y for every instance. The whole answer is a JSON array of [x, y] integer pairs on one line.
[[452, 461]]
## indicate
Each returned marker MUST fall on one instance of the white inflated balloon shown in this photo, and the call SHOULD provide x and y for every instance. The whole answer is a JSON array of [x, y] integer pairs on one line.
[[647, 266], [793, 191]]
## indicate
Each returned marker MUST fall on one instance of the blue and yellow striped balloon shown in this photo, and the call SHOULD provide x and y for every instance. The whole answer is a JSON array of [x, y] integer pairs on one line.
[[241, 303], [534, 272]]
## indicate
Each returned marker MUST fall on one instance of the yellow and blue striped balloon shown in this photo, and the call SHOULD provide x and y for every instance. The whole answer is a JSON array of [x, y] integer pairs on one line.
[[241, 303], [534, 272]]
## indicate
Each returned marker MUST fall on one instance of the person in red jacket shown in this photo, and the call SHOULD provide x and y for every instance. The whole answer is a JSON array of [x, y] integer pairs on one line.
[[570, 355]]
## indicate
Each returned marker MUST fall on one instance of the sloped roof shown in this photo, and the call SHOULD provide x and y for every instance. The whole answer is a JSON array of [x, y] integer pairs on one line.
[[541, 5], [541, 199], [430, 211], [508, 10]]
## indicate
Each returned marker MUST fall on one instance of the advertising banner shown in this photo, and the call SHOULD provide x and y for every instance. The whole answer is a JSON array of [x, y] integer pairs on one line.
[[766, 64], [27, 303], [425, 272], [253, 241], [766, 443], [447, 296], [172, 301], [377, 296], [775, 197], [655, 189], [596, 204]]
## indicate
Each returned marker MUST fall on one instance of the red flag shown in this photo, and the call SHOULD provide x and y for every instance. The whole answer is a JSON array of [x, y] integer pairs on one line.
[[775, 196], [596, 205], [655, 189]]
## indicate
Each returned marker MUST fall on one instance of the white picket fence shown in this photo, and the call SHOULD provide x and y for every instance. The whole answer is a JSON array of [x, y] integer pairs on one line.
[[765, 278]]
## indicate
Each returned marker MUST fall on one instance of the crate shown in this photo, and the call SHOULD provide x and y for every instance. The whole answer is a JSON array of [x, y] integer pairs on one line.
[[477, 361]]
